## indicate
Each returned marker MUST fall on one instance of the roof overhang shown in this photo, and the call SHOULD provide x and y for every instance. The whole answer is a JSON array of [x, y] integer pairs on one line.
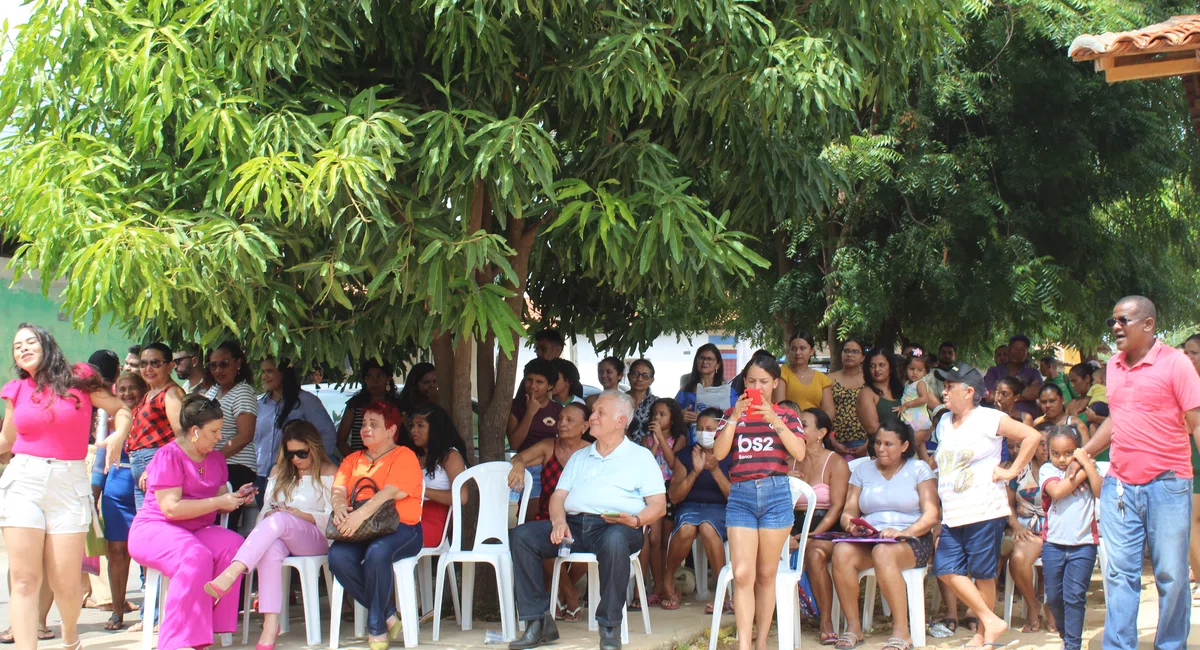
[[1167, 49]]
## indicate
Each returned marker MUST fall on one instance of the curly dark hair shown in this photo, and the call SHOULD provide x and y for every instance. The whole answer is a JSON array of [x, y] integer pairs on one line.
[[679, 428], [443, 437], [54, 372]]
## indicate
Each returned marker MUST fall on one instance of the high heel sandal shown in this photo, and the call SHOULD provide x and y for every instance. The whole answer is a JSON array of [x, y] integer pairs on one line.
[[216, 592]]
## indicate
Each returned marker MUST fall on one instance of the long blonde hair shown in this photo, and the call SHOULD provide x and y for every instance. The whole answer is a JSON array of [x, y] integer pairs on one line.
[[287, 477]]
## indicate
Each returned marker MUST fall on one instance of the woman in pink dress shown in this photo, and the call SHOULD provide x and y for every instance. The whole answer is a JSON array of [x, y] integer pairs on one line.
[[175, 532], [46, 493]]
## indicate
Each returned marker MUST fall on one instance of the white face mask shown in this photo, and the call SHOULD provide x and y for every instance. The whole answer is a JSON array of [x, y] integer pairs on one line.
[[706, 439]]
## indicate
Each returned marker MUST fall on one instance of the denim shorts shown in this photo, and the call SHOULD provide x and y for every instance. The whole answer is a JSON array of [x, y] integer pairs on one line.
[[971, 550], [690, 513], [760, 503]]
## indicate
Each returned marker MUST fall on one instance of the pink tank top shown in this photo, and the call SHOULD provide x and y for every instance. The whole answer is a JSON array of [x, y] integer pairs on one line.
[[821, 490]]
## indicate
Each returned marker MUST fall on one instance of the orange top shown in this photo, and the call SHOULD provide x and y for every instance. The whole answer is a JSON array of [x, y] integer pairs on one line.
[[398, 468]]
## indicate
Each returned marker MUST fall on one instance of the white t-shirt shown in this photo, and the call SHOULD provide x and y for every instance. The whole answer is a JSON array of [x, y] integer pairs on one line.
[[1071, 520], [967, 456], [892, 503]]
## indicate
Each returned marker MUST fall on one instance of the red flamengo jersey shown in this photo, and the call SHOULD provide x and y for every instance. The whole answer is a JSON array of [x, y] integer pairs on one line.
[[757, 450]]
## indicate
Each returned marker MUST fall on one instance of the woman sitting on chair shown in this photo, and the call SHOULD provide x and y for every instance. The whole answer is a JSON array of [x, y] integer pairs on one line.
[[444, 456], [897, 495], [175, 531], [365, 568], [295, 510]]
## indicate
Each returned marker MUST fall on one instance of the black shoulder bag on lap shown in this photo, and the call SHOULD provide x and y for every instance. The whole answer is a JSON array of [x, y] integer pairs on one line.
[[385, 521]]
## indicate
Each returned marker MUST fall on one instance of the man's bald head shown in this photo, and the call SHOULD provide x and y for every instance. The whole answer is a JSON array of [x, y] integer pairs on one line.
[[1139, 306]]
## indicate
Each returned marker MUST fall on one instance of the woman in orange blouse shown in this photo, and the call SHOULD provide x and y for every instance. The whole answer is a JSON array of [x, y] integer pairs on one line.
[[365, 568]]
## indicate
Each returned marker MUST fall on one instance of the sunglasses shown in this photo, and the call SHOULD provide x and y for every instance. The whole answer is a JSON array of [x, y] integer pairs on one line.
[[153, 363], [301, 454], [183, 358], [220, 365], [1123, 320]]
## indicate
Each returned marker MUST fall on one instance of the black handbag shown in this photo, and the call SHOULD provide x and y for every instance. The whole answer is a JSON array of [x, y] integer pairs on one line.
[[385, 521]]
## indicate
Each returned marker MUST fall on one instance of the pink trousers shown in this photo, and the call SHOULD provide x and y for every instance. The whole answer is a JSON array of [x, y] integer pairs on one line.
[[189, 559], [274, 539]]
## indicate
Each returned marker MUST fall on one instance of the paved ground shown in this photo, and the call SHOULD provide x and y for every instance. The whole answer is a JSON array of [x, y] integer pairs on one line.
[[676, 630]]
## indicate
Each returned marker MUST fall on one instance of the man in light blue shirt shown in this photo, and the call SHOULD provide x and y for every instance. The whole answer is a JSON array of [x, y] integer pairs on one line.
[[606, 494]]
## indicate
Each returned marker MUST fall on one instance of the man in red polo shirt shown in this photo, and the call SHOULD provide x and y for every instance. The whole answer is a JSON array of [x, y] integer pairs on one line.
[[1154, 404]]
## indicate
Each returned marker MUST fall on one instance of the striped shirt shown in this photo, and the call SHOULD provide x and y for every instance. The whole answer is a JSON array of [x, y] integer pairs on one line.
[[240, 399], [758, 452]]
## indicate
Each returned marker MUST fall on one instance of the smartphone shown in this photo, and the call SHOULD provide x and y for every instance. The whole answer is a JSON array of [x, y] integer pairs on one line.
[[611, 514], [755, 396], [859, 521]]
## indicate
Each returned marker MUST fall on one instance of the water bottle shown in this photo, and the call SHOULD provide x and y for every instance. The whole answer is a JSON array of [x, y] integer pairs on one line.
[[492, 637], [514, 495], [564, 547]]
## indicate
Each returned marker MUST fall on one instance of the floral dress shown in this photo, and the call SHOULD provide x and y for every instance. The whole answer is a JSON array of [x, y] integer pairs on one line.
[[847, 428], [639, 427]]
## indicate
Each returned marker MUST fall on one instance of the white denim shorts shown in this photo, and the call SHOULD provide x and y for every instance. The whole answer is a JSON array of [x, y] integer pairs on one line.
[[52, 495]]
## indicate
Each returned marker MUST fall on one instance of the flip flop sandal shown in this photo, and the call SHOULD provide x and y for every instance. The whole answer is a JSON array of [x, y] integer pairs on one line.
[[635, 606], [570, 615], [671, 603], [829, 638], [896, 643], [654, 600], [6, 637], [847, 641], [45, 634], [115, 622]]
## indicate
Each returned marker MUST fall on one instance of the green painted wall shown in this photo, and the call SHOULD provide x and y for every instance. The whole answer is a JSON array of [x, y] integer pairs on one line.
[[24, 302]]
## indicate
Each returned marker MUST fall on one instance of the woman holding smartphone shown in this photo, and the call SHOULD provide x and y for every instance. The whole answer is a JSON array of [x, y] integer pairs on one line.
[[761, 436]]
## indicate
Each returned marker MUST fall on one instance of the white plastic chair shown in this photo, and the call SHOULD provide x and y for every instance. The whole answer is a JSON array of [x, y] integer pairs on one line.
[[1010, 590], [492, 479], [593, 580], [914, 582], [700, 559], [406, 574], [310, 569], [787, 580], [156, 582], [336, 595]]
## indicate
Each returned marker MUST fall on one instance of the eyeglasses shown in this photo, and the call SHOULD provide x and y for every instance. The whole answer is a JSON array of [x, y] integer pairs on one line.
[[851, 352], [634, 374], [153, 363], [1123, 320], [220, 365], [302, 454], [706, 359]]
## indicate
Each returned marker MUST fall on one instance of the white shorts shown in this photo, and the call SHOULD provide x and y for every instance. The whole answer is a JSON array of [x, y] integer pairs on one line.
[[51, 495]]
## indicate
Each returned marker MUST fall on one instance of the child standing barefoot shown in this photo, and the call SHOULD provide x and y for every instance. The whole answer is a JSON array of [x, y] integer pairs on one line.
[[1071, 531]]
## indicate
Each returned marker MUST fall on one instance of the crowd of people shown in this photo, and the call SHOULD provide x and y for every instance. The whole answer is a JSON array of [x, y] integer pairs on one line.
[[914, 460]]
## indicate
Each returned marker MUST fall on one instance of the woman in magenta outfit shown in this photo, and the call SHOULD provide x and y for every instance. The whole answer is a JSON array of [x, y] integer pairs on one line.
[[175, 532], [46, 493]]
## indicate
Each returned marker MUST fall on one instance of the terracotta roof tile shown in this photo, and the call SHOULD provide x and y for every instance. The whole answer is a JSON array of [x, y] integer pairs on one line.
[[1175, 33]]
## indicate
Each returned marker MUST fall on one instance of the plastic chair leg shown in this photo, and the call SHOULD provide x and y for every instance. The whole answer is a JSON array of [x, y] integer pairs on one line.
[[336, 593], [150, 604], [914, 581], [868, 617], [593, 578], [722, 586], [641, 586], [246, 588], [468, 595], [442, 566], [285, 617], [701, 561], [310, 593]]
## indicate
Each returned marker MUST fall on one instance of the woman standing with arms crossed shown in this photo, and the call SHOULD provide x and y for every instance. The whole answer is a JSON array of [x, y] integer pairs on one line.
[[239, 407], [849, 437], [759, 515], [803, 385], [45, 493], [155, 418]]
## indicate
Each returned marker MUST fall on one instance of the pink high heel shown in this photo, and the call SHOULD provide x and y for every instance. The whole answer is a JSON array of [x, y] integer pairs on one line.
[[216, 592], [264, 646]]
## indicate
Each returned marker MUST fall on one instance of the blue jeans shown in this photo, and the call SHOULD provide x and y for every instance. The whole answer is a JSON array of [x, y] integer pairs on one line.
[[364, 569], [1159, 515], [1068, 572], [138, 461]]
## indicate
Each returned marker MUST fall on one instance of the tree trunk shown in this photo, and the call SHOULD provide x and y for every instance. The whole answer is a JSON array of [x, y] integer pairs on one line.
[[485, 375], [493, 422], [461, 408], [443, 362], [787, 320], [889, 331]]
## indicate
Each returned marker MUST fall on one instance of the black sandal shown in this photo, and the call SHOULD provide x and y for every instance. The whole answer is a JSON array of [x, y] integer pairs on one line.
[[115, 623]]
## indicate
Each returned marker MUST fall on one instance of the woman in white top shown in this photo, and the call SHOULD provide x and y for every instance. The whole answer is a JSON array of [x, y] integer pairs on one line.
[[443, 455], [295, 511], [972, 487], [897, 495]]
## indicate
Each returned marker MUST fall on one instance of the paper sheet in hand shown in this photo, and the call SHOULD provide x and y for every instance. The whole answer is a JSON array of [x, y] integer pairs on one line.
[[713, 397]]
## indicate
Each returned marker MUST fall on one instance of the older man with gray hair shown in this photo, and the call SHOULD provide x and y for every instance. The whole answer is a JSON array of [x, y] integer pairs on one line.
[[606, 494]]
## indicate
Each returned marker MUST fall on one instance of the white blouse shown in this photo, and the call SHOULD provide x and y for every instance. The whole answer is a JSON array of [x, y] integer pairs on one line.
[[306, 497]]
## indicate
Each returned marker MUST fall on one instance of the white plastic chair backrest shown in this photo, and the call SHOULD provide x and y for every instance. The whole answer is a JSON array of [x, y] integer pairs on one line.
[[810, 497], [492, 480], [1102, 468], [223, 520]]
